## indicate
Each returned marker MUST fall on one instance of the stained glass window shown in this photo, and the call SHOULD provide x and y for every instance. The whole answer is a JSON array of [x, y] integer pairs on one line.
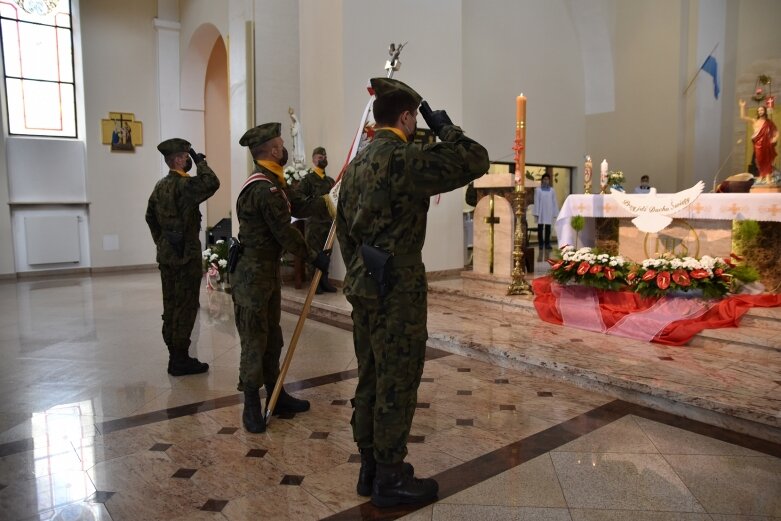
[[37, 46]]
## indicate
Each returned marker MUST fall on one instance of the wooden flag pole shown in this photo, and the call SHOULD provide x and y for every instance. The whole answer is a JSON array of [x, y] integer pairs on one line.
[[392, 65]]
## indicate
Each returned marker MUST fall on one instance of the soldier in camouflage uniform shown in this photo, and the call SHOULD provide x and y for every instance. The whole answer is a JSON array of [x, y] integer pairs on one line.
[[264, 208], [174, 220], [317, 183], [383, 203]]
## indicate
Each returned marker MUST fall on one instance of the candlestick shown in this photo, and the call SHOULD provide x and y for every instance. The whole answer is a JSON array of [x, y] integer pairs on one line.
[[603, 177], [520, 139], [518, 285], [587, 172]]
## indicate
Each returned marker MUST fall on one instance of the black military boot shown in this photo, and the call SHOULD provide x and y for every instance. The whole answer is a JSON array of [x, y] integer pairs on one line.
[[286, 404], [392, 486], [325, 285], [180, 364], [369, 470], [253, 418]]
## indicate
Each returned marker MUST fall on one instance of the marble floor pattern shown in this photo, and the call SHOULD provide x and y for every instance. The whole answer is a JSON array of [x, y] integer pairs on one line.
[[93, 428]]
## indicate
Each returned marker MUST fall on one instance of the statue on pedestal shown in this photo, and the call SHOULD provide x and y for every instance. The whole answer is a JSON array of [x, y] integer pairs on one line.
[[765, 138]]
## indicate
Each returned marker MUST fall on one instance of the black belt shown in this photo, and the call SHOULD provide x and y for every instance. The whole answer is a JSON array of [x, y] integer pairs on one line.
[[405, 260], [260, 254]]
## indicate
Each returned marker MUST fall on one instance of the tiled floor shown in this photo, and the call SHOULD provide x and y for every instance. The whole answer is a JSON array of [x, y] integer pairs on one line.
[[92, 427]]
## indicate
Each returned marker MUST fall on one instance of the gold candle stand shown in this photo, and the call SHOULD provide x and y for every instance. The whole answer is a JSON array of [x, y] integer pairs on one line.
[[519, 286]]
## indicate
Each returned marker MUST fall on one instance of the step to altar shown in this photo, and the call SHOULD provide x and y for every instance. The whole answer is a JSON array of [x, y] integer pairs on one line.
[[725, 377]]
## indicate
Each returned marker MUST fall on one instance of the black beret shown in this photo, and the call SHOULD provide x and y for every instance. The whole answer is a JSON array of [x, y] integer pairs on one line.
[[173, 146], [385, 86]]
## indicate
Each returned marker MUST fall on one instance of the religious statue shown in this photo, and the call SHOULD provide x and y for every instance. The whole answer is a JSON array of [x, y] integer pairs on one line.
[[297, 134], [765, 138], [587, 172]]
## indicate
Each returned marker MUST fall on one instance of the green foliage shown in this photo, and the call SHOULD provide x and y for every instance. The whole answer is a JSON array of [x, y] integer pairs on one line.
[[745, 274], [577, 222], [744, 235]]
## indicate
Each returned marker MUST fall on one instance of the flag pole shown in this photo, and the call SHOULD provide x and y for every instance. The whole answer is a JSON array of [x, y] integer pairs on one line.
[[391, 66], [699, 69]]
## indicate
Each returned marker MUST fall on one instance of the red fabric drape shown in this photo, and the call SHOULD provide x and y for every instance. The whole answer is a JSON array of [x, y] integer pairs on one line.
[[614, 305]]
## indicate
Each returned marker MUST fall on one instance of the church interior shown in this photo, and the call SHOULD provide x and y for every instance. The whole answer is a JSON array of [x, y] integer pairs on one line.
[[521, 413]]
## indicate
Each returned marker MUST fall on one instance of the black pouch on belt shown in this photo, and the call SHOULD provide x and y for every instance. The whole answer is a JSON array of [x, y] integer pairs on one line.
[[376, 261]]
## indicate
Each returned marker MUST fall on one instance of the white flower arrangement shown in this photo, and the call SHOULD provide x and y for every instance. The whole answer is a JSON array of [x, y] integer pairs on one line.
[[295, 173]]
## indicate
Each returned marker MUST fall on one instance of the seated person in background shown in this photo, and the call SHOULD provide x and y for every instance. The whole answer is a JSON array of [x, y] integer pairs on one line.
[[644, 187]]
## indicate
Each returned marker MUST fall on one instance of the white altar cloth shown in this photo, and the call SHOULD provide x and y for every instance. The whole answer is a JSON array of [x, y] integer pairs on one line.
[[725, 207]]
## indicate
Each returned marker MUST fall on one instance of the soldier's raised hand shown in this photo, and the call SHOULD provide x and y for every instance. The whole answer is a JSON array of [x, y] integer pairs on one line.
[[435, 119], [197, 158]]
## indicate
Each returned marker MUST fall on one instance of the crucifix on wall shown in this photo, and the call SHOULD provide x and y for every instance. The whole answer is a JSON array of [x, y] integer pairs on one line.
[[122, 132]]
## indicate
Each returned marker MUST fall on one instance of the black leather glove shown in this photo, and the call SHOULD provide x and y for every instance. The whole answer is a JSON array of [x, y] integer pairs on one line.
[[322, 260], [435, 119], [197, 158]]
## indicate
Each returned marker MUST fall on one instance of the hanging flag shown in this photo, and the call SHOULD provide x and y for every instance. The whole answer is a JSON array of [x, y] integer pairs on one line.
[[711, 67]]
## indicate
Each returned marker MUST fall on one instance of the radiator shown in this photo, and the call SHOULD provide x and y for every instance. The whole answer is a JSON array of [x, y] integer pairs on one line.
[[52, 239]]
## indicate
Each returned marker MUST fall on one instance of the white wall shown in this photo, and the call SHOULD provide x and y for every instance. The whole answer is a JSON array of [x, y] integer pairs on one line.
[[276, 62], [7, 266], [513, 46], [643, 135], [119, 75]]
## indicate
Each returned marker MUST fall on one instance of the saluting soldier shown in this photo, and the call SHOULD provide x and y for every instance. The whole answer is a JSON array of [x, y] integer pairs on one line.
[[381, 226], [174, 220], [314, 184], [263, 208]]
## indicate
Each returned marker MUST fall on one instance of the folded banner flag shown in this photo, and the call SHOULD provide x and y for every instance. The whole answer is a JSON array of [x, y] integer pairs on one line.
[[711, 67]]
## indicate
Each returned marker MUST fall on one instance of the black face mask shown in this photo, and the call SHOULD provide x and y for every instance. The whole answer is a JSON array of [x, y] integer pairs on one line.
[[188, 165], [322, 163], [283, 161]]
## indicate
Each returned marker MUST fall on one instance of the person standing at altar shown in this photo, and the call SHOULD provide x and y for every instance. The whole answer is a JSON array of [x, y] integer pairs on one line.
[[645, 185], [174, 220], [316, 184], [381, 226], [765, 138], [546, 209], [263, 208]]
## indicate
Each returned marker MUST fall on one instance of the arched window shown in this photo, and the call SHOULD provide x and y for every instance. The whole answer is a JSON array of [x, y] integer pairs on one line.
[[37, 48]]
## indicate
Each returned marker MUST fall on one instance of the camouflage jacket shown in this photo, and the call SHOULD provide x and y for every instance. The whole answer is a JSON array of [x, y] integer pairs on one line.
[[312, 185], [264, 209], [384, 201], [173, 215]]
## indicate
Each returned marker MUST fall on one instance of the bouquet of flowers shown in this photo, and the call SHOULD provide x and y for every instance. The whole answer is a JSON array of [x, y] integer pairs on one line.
[[714, 276], [590, 267], [294, 174], [215, 262], [615, 179]]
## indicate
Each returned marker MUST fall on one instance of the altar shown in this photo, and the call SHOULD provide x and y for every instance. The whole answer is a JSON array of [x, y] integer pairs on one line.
[[701, 228]]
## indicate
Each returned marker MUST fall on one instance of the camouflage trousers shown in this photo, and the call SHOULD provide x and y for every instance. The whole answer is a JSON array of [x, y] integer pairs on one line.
[[181, 287], [390, 343], [315, 235], [261, 339]]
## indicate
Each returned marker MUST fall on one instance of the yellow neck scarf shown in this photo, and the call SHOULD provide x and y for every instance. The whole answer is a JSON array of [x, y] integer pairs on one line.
[[274, 167], [396, 131], [181, 173], [319, 171]]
